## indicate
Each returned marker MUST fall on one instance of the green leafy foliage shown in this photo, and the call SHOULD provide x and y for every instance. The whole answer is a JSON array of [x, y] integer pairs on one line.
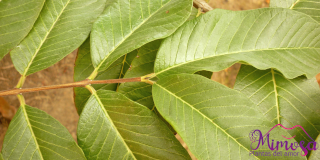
[[141, 65], [83, 68], [309, 7], [165, 44], [16, 20], [61, 27], [283, 101], [113, 127], [212, 119], [122, 26], [264, 38], [33, 134]]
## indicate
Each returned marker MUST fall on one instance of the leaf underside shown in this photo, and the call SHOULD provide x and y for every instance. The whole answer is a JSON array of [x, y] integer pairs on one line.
[[141, 65], [16, 20], [83, 68], [127, 25], [283, 101], [265, 38], [212, 119], [113, 127], [28, 137], [61, 27], [309, 7], [315, 154]]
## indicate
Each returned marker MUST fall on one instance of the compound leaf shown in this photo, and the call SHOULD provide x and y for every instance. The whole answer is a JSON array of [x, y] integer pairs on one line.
[[127, 25], [83, 68], [112, 126], [265, 38], [212, 119], [62, 27], [141, 65], [16, 20], [33, 134], [283, 101]]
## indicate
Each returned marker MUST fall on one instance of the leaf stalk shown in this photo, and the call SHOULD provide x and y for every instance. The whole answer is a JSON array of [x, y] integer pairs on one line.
[[83, 83]]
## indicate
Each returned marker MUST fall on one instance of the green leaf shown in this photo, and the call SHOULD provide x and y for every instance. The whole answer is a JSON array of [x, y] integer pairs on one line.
[[265, 38], [283, 101], [309, 7], [16, 20], [62, 27], [127, 25], [83, 68], [194, 13], [1, 158], [33, 134], [212, 119], [315, 155], [113, 127], [141, 65]]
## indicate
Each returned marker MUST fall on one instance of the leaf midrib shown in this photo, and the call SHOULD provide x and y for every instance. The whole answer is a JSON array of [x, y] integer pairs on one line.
[[229, 53], [126, 37], [204, 117], [112, 124], [45, 38], [31, 130], [294, 4], [276, 96]]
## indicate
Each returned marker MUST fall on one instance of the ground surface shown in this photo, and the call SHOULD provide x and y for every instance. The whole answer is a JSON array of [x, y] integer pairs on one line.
[[59, 103]]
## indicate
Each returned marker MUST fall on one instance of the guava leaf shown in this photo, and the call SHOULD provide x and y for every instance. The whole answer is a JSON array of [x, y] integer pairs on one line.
[[61, 27], [212, 119], [33, 134], [315, 155], [83, 68], [112, 126], [16, 20], [309, 7], [265, 38], [289, 102], [127, 25], [141, 65]]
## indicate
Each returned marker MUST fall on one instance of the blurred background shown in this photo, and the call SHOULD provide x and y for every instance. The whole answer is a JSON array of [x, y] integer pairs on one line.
[[60, 103]]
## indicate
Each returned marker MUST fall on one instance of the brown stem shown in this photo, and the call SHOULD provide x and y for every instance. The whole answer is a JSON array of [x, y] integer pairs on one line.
[[203, 5], [68, 85]]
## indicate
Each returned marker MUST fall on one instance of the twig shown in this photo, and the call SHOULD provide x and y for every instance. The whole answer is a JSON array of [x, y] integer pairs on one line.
[[68, 85], [203, 5]]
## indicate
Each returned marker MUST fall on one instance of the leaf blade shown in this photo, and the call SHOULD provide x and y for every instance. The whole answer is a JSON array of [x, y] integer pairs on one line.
[[60, 29], [258, 37], [310, 8], [129, 120], [13, 15], [37, 140], [283, 101], [204, 115], [109, 43]]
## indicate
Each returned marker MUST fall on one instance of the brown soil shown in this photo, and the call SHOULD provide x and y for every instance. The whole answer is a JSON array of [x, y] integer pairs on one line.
[[59, 103]]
